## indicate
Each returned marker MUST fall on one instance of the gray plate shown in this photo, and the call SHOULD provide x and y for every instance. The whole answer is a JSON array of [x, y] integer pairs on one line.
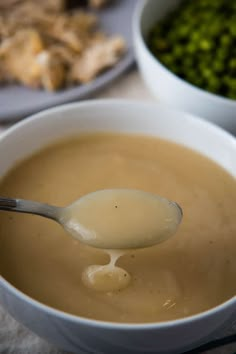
[[17, 102]]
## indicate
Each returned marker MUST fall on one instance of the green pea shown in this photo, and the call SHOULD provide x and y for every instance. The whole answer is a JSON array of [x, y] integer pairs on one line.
[[232, 28], [232, 64], [225, 40], [191, 48], [183, 31], [221, 54], [207, 73], [231, 83], [205, 44], [196, 36], [218, 66], [213, 29], [178, 51], [213, 83]]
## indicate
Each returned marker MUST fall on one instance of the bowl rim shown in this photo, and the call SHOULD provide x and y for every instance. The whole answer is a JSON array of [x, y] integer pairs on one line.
[[51, 311], [138, 36]]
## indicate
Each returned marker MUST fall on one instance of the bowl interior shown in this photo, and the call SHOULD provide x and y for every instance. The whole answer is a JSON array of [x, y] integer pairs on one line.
[[153, 11], [119, 116]]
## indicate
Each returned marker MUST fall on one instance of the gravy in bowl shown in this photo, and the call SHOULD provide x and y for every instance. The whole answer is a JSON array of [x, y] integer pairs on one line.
[[191, 272]]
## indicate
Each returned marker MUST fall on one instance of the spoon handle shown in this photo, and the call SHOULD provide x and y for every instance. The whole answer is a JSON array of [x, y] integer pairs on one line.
[[29, 207]]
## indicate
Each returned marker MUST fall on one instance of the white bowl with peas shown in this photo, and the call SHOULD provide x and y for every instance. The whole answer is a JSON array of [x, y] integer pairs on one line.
[[186, 53]]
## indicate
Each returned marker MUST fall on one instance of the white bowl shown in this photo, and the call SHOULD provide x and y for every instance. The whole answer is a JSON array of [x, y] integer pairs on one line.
[[167, 86], [80, 335]]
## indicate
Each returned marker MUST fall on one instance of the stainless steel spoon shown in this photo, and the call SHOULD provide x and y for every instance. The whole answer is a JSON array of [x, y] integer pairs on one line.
[[110, 219]]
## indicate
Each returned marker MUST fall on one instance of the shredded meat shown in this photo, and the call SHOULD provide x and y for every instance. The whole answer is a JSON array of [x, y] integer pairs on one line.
[[44, 46], [18, 57], [97, 58], [97, 3]]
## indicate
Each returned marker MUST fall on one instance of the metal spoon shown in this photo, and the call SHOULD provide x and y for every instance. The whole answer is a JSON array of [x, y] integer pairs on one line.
[[110, 218]]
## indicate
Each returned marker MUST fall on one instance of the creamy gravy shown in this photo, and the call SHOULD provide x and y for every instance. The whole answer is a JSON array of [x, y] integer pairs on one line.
[[121, 219], [193, 271], [107, 277]]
